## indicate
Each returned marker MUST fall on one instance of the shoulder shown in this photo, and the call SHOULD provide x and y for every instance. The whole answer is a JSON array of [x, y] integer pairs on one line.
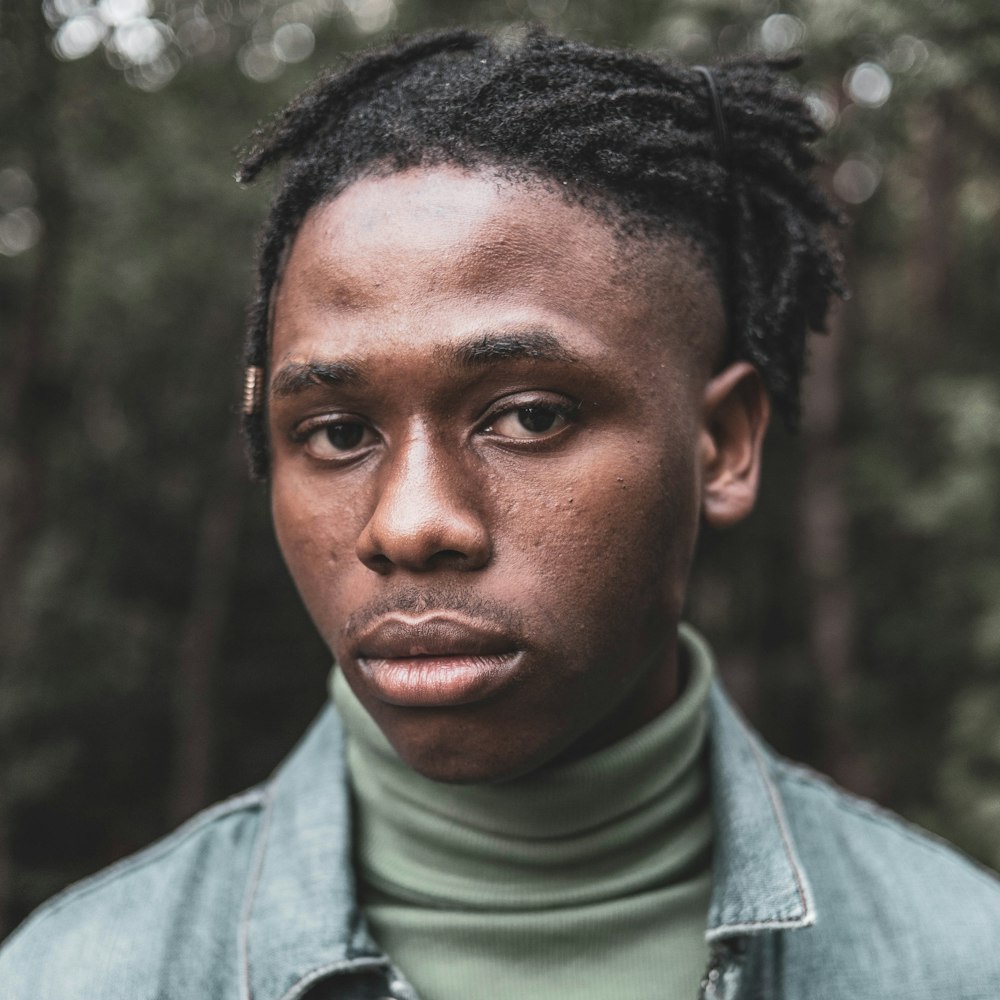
[[168, 915], [904, 908]]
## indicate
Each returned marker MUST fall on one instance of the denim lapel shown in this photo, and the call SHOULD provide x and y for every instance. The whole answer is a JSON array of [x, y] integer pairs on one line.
[[300, 918], [301, 921], [758, 881]]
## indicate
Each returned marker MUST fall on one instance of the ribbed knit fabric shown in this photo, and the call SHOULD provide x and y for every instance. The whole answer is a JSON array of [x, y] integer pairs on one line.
[[585, 880]]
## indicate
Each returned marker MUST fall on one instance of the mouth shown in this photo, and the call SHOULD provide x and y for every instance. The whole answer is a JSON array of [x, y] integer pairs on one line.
[[434, 661]]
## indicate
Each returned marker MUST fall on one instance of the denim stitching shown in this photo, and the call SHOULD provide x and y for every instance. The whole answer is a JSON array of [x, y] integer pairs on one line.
[[808, 915], [257, 868], [245, 800], [344, 965], [884, 818], [801, 884]]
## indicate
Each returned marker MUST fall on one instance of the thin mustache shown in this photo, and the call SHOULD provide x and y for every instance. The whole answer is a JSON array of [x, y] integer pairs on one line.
[[417, 601]]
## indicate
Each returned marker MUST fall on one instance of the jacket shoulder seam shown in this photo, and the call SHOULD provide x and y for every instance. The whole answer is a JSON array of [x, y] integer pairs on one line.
[[244, 801], [872, 812]]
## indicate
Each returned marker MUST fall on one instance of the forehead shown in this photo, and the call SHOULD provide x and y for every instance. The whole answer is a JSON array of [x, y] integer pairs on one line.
[[429, 253]]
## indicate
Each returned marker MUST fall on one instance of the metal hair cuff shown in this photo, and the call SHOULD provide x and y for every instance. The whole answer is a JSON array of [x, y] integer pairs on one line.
[[253, 389]]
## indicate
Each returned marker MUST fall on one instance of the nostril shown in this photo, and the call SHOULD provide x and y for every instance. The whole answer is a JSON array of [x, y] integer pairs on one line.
[[453, 559], [378, 563]]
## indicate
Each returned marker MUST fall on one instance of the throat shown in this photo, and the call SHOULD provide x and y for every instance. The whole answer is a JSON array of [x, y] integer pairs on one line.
[[656, 689], [631, 808]]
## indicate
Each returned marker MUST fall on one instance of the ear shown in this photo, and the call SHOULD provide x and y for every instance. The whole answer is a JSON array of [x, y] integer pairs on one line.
[[735, 414]]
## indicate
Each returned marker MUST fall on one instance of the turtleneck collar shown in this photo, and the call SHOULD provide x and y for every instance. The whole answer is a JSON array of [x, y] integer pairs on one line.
[[634, 814]]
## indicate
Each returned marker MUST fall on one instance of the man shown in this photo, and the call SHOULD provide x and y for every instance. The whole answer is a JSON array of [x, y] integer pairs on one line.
[[523, 310]]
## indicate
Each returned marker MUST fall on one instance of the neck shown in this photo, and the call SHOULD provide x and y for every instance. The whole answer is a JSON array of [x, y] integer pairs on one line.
[[656, 689], [591, 877]]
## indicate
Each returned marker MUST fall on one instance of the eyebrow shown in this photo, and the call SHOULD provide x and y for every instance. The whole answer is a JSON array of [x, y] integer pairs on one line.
[[534, 345], [297, 376]]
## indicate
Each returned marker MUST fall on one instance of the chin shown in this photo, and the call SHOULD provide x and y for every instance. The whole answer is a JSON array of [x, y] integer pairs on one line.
[[448, 769], [448, 765]]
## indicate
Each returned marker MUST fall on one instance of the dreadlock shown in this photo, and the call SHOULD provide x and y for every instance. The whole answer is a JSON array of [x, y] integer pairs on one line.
[[629, 133]]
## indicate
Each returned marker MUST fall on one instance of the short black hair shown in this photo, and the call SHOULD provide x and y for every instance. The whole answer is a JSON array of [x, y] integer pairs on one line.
[[626, 130]]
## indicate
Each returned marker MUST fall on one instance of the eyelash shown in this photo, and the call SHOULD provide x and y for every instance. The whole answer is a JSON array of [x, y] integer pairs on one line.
[[301, 435], [567, 410]]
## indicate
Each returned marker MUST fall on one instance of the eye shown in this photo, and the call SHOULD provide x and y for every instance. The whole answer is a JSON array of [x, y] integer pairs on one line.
[[337, 439], [527, 422]]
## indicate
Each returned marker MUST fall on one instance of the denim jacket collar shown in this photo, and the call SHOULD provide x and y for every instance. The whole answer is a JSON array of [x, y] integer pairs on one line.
[[301, 920], [758, 883]]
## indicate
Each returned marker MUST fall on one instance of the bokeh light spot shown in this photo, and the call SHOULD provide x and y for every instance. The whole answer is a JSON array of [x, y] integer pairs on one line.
[[79, 36], [20, 230], [17, 189], [781, 33], [156, 74], [979, 199], [868, 85], [115, 12], [196, 35], [907, 55], [70, 8], [293, 42], [857, 179], [258, 62], [141, 41], [371, 16]]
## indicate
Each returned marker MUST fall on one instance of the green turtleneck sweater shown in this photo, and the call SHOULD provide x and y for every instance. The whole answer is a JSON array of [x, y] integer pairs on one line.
[[586, 880]]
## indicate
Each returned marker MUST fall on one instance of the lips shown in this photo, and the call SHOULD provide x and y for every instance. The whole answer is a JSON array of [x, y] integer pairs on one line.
[[436, 660]]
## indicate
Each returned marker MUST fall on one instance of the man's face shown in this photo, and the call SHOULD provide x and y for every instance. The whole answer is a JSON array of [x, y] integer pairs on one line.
[[489, 448]]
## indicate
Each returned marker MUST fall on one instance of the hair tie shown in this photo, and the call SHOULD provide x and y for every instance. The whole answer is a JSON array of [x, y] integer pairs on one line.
[[721, 132], [730, 262]]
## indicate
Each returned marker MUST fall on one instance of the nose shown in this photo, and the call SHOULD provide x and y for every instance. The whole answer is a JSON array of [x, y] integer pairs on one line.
[[425, 514]]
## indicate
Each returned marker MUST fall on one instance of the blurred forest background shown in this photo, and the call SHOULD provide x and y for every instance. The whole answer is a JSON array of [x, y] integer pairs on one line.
[[154, 655]]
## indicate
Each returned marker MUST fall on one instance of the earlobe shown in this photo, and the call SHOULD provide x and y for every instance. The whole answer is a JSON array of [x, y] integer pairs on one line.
[[735, 415]]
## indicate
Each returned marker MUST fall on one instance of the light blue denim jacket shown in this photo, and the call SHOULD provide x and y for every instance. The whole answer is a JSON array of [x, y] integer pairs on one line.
[[817, 896]]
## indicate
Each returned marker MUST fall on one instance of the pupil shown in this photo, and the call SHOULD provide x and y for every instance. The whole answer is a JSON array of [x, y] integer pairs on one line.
[[533, 418], [344, 436]]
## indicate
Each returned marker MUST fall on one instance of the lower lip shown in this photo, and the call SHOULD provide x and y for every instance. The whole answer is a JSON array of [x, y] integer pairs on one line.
[[439, 681]]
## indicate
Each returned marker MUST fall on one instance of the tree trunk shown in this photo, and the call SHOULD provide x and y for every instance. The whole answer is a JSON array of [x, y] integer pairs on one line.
[[29, 104], [201, 635], [933, 268], [824, 532]]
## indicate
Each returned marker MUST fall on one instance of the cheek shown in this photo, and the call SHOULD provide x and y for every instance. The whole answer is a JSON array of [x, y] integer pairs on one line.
[[298, 525], [613, 534], [316, 535]]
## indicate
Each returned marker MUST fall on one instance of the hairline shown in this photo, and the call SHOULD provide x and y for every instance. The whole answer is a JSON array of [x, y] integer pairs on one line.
[[634, 230]]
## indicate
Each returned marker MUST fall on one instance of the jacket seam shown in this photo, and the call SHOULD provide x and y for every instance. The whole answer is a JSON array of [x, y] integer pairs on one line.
[[343, 965], [244, 801], [257, 868], [751, 926], [872, 812]]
